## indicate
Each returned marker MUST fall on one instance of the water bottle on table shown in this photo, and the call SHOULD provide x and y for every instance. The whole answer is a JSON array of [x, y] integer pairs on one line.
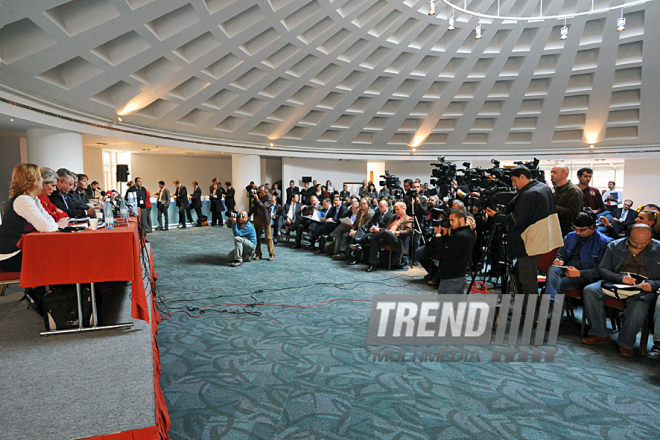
[[109, 217]]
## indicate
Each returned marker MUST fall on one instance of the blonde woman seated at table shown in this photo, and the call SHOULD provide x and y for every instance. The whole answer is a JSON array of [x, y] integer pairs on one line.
[[24, 214]]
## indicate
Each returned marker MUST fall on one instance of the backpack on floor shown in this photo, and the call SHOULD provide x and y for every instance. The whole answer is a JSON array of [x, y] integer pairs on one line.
[[60, 307]]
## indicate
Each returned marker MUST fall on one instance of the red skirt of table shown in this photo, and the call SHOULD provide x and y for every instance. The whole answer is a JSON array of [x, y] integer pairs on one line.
[[86, 257]]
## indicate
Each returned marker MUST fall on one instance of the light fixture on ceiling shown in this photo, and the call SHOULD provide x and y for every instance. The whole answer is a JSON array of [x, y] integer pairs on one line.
[[621, 22], [592, 137], [11, 120], [272, 145], [539, 17], [591, 147], [120, 119], [564, 31], [414, 149], [478, 32], [431, 7]]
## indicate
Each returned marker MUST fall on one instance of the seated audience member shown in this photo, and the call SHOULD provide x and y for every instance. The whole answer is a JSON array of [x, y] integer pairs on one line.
[[330, 222], [345, 193], [342, 228], [307, 216], [371, 191], [645, 217], [651, 207], [623, 217], [380, 220], [23, 215], [245, 239], [275, 214], [455, 254], [592, 197], [363, 217], [50, 184], [314, 203], [290, 213], [637, 256], [384, 193], [395, 234], [61, 198], [318, 192], [582, 252]]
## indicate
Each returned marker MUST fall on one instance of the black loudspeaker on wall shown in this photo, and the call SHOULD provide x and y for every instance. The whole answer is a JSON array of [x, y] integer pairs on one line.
[[122, 173]]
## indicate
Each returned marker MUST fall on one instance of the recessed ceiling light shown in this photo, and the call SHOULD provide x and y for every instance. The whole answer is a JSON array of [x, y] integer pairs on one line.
[[272, 145], [11, 120], [591, 147], [431, 7]]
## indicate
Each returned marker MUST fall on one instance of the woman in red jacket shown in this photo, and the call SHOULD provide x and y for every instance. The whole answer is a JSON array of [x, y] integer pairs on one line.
[[50, 183]]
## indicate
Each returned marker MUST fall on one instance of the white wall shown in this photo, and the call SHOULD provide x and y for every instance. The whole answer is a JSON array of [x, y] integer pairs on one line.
[[93, 164], [271, 170], [337, 171], [642, 177], [378, 169], [10, 156], [152, 168]]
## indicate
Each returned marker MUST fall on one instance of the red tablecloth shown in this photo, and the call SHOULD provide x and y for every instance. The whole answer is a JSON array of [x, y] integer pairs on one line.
[[86, 257]]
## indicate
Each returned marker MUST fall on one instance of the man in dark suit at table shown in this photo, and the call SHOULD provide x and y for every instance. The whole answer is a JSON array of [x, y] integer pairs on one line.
[[181, 196], [163, 205], [196, 204], [61, 198]]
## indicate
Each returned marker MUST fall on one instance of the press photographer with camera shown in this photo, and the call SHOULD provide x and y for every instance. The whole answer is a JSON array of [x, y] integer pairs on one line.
[[455, 250], [532, 226], [262, 201], [416, 209], [245, 238]]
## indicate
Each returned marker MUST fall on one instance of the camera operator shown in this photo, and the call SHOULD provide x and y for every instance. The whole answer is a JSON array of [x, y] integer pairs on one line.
[[417, 204], [262, 202], [532, 225], [455, 250], [245, 238]]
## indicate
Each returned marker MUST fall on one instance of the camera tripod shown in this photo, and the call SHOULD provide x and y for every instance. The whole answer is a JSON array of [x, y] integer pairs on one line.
[[508, 279]]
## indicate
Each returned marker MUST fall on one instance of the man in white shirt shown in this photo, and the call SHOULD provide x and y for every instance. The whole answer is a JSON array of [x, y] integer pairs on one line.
[[613, 197]]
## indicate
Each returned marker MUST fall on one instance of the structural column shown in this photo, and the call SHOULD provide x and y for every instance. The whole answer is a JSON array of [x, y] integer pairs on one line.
[[244, 169], [55, 149]]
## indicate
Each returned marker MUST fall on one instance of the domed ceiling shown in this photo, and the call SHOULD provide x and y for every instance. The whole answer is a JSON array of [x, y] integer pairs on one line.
[[346, 75]]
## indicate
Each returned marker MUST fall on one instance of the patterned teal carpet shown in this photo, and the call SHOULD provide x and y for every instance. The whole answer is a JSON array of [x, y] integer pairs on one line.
[[306, 373]]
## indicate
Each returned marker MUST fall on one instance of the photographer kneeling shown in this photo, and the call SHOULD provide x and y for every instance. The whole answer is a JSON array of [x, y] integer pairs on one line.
[[245, 238], [455, 250]]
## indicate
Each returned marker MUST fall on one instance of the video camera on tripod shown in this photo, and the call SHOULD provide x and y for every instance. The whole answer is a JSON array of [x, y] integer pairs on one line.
[[393, 185]]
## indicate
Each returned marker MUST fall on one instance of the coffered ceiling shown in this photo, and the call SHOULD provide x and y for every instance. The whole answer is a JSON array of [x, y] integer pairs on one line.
[[345, 75]]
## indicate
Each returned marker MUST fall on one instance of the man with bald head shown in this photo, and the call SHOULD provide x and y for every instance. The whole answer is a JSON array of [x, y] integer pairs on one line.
[[569, 199], [633, 261]]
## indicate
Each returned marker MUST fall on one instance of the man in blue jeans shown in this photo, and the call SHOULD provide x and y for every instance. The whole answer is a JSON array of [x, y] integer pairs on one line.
[[638, 255], [582, 251]]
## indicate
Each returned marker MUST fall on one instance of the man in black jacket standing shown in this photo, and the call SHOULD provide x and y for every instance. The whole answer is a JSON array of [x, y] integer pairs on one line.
[[196, 204], [140, 202], [455, 251], [290, 191], [262, 202], [532, 225], [181, 196], [569, 199]]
